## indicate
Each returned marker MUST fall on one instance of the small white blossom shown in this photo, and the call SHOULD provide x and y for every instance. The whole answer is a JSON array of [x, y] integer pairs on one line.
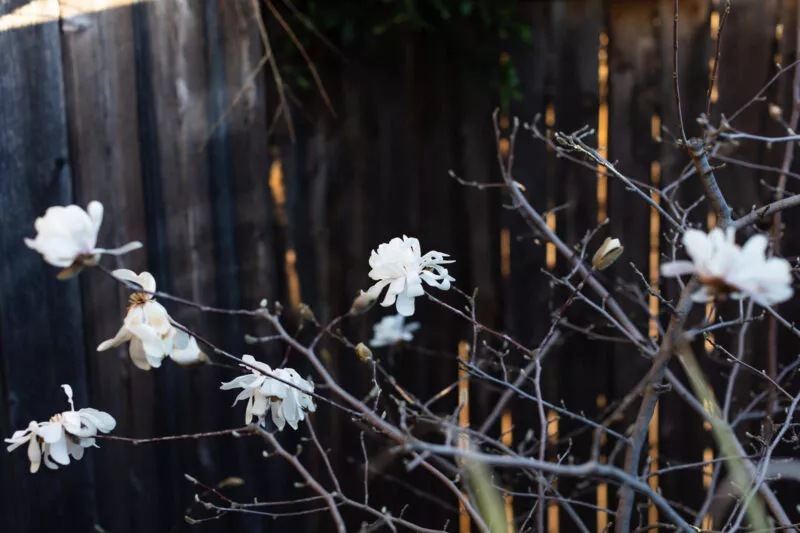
[[726, 268], [65, 434], [150, 330], [67, 236], [399, 265], [286, 403], [391, 330]]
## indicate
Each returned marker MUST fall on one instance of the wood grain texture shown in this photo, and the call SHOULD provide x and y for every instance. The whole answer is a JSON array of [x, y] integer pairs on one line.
[[41, 334]]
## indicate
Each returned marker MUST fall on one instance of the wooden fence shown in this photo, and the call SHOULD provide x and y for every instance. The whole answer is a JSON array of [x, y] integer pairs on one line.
[[121, 105]]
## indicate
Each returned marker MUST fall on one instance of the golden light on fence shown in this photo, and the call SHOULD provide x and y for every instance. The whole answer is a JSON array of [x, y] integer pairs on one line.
[[277, 188], [602, 126], [464, 525], [292, 279], [550, 115], [652, 441], [655, 238], [553, 524], [43, 11], [505, 253], [507, 438], [708, 467], [602, 488], [713, 25], [550, 248]]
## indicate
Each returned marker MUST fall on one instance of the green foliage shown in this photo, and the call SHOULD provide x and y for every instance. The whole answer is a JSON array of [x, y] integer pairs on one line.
[[373, 26], [351, 21]]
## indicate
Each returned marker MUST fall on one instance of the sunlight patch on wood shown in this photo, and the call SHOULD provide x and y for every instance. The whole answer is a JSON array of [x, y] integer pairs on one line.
[[43, 11], [602, 488], [292, 279], [602, 127], [550, 248], [505, 253], [652, 440], [464, 524], [655, 240], [553, 519], [507, 438]]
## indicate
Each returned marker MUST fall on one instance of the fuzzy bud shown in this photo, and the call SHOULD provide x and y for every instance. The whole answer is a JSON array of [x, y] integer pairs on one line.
[[608, 252], [775, 112], [362, 303], [306, 313], [363, 353]]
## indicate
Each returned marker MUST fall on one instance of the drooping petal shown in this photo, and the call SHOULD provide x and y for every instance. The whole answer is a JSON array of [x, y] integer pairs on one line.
[[58, 451], [277, 416], [405, 305], [35, 455], [137, 354], [75, 450], [122, 336]]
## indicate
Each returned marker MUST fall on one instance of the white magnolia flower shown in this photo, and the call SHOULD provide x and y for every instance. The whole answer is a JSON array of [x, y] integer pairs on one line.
[[399, 265], [391, 330], [67, 235], [150, 329], [66, 434], [263, 392], [726, 268]]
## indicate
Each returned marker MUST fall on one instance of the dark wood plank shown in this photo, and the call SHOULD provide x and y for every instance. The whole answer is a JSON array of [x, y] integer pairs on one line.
[[578, 26], [177, 94], [40, 317], [681, 435], [100, 73]]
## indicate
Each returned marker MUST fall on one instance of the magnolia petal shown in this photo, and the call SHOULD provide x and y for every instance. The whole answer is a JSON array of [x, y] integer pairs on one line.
[[51, 432], [145, 279], [697, 245], [702, 295], [259, 404], [101, 420], [138, 355], [185, 350], [277, 416], [122, 250], [95, 212], [122, 336], [75, 450], [677, 268], [58, 451], [405, 305], [34, 455]]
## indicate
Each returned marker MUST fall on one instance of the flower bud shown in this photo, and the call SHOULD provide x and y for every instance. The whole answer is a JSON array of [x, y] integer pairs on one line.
[[307, 313], [362, 303], [775, 112], [608, 252], [363, 353]]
